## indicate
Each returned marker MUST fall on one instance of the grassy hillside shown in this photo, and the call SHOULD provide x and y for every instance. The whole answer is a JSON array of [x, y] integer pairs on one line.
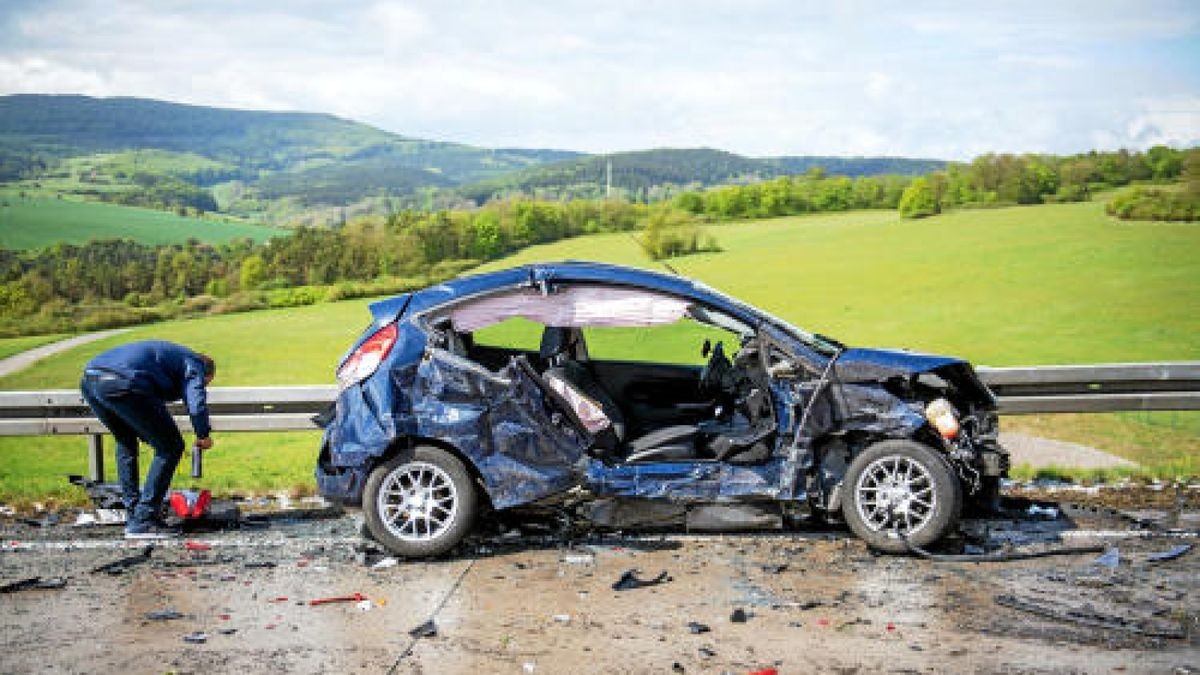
[[35, 222], [1028, 285], [641, 173], [204, 145]]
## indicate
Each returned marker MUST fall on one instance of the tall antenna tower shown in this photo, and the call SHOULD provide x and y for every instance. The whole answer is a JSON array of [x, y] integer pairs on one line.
[[608, 179]]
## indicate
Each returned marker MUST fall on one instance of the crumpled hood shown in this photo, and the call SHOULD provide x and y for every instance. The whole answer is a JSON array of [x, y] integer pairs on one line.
[[863, 365], [877, 365]]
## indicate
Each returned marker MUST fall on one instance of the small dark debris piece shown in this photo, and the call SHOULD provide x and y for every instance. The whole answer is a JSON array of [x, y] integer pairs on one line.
[[163, 615], [119, 566], [706, 653], [630, 580], [810, 604], [226, 631], [34, 583], [259, 564], [774, 569], [739, 616], [795, 624], [197, 638], [696, 628], [425, 630], [47, 520], [677, 667], [1169, 554]]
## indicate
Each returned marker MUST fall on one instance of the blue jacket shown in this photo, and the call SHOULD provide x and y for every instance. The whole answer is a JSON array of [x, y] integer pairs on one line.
[[164, 370]]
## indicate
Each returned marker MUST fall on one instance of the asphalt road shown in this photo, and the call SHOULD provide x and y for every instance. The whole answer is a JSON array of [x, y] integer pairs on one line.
[[813, 601]]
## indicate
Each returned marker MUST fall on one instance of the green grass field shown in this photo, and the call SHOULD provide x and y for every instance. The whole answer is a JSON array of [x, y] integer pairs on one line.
[[34, 222], [1017, 286], [10, 346]]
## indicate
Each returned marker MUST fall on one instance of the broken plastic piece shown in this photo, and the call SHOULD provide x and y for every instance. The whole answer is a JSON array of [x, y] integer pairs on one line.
[[1111, 558], [427, 629], [357, 597], [119, 566], [364, 606], [1169, 554], [198, 638], [739, 616], [196, 545], [163, 615], [630, 580], [1047, 512], [385, 563], [34, 583], [706, 653], [696, 628]]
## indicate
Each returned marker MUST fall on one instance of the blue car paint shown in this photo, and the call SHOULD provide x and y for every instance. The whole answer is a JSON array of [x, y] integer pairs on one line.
[[522, 449]]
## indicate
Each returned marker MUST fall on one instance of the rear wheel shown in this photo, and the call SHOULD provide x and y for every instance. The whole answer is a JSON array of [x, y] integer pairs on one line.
[[420, 503], [896, 488]]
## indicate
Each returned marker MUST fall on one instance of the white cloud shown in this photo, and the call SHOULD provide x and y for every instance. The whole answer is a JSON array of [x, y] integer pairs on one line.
[[1171, 121], [763, 77]]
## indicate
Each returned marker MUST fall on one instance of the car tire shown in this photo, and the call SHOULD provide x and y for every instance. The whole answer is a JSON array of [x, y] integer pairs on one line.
[[420, 503], [899, 486]]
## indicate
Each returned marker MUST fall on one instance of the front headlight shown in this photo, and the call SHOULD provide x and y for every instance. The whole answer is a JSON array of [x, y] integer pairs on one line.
[[941, 415]]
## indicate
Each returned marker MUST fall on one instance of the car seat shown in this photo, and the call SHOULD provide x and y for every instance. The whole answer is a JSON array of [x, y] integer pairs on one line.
[[563, 351]]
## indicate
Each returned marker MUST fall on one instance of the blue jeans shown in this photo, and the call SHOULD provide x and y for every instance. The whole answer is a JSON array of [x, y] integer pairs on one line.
[[132, 415]]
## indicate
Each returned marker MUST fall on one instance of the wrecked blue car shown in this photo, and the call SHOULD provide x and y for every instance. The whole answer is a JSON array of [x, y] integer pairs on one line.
[[640, 399]]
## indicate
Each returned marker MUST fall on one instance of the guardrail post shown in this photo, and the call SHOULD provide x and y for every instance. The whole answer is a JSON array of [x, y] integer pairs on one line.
[[96, 457]]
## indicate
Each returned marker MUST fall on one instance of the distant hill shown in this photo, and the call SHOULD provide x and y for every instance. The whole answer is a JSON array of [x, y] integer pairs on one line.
[[641, 173], [286, 167]]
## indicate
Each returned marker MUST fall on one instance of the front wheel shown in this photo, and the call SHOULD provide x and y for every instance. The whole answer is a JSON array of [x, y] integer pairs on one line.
[[896, 489], [420, 503]]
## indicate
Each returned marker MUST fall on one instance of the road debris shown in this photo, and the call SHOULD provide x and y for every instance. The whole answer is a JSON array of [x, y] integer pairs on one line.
[[197, 638], [34, 583], [121, 565], [739, 615], [630, 580], [1086, 616], [1170, 554], [357, 597], [196, 545], [1111, 559], [163, 615], [697, 628], [385, 564], [425, 630]]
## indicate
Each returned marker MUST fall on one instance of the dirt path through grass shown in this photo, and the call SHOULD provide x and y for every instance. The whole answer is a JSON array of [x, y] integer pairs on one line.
[[27, 358]]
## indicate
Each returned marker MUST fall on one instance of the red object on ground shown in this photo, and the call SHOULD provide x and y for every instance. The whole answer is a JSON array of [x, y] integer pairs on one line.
[[891, 626], [357, 597], [190, 503], [765, 671], [196, 545], [280, 599]]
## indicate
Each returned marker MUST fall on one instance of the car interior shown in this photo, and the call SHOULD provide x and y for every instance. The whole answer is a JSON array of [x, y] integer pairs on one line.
[[638, 411]]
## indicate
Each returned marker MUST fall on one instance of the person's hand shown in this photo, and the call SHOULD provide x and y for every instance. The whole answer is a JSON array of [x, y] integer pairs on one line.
[[204, 443]]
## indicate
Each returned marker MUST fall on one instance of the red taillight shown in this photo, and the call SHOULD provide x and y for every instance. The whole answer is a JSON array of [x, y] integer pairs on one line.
[[367, 357]]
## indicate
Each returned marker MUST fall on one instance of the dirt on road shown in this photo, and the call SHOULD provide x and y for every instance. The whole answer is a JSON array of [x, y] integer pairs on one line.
[[807, 601]]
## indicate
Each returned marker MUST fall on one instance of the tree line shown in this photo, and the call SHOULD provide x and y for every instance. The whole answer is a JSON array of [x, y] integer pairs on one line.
[[105, 283], [1004, 179]]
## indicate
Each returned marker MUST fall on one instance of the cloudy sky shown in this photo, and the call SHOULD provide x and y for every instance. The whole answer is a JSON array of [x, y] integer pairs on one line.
[[757, 77]]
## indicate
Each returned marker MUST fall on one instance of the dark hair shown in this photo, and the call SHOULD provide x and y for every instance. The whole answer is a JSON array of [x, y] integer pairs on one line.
[[210, 366]]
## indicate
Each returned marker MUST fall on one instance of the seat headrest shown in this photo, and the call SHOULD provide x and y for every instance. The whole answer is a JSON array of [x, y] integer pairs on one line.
[[556, 341]]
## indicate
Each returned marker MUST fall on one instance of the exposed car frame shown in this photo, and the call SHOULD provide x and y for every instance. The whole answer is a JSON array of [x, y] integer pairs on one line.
[[429, 429]]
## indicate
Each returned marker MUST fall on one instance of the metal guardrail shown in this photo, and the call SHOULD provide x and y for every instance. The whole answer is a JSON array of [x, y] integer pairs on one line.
[[1096, 388], [1038, 389]]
